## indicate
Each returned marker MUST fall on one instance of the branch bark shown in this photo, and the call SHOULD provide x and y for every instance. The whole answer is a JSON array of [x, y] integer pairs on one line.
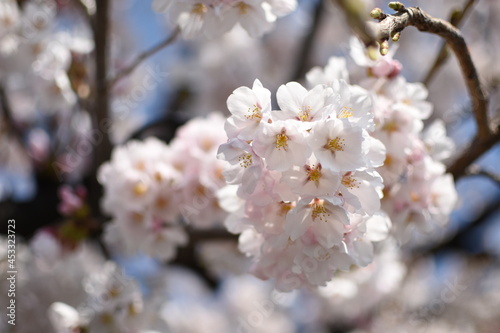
[[476, 149], [443, 53], [100, 116]]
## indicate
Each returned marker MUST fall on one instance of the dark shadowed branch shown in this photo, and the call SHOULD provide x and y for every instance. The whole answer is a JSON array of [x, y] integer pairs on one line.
[[307, 45]]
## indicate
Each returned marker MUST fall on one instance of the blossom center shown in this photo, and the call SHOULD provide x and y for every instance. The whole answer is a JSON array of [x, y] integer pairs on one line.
[[349, 181], [390, 127], [285, 207], [242, 7], [140, 189], [281, 141], [346, 112], [336, 144], [319, 210], [199, 9], [254, 114], [245, 160], [313, 173], [305, 114]]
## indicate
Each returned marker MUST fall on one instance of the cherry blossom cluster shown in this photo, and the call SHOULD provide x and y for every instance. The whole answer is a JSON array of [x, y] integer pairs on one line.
[[36, 57], [418, 194], [309, 195], [216, 17], [149, 186], [114, 304]]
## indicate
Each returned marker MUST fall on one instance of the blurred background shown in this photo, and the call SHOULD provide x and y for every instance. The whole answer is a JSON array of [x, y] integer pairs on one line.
[[445, 282]]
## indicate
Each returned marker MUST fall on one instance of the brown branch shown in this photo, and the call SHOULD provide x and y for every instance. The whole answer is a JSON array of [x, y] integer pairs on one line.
[[443, 54], [101, 101], [471, 153], [476, 170], [100, 116], [143, 56]]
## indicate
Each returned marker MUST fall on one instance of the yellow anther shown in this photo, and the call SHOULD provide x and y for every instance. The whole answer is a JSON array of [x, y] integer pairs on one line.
[[305, 114], [285, 207], [313, 173], [349, 182], [242, 7], [281, 141], [245, 160], [254, 114], [140, 189], [390, 127], [319, 210], [336, 144], [199, 9], [346, 112]]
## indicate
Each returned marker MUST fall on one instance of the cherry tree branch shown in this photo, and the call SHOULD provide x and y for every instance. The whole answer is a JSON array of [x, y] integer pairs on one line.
[[476, 149], [390, 26], [100, 116], [443, 53], [143, 56]]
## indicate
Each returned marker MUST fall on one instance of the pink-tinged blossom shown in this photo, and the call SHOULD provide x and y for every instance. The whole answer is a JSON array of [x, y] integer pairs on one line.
[[149, 187], [282, 145], [246, 166], [335, 70], [255, 16], [248, 107], [337, 145], [325, 219], [409, 98], [296, 102], [362, 191], [312, 180], [213, 18], [314, 162]]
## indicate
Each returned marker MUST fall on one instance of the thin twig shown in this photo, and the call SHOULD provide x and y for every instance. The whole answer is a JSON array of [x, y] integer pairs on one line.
[[443, 54], [308, 43], [476, 170], [143, 56], [356, 19], [471, 153]]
